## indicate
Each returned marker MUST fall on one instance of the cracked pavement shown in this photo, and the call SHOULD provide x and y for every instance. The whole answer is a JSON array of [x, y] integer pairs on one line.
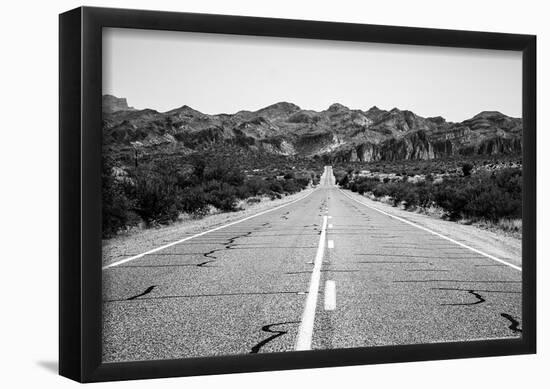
[[242, 289]]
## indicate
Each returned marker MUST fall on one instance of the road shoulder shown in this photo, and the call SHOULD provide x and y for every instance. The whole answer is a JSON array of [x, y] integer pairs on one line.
[[141, 240], [506, 248]]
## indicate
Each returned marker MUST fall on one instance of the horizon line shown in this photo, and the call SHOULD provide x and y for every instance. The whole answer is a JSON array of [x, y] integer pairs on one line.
[[308, 109]]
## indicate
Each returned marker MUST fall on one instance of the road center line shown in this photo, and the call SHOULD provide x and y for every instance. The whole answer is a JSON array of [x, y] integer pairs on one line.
[[330, 295], [330, 244], [434, 233], [202, 233], [305, 331]]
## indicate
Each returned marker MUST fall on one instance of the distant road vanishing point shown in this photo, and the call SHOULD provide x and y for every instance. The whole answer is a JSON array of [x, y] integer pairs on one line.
[[325, 271]]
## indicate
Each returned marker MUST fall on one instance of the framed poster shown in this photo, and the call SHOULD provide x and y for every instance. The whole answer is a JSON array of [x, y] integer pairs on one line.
[[244, 194]]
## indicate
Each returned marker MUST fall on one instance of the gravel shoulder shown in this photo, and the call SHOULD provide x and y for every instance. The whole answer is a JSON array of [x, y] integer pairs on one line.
[[500, 245], [140, 240]]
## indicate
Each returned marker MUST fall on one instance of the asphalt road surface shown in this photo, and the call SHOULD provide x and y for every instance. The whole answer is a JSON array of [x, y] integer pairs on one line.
[[323, 272]]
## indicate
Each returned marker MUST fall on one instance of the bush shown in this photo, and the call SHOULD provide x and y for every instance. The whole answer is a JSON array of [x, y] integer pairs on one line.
[[344, 181], [482, 196], [289, 176], [223, 198], [162, 186], [156, 199], [219, 171], [467, 169], [291, 186], [302, 182], [193, 201], [276, 186], [364, 185], [117, 208], [256, 186]]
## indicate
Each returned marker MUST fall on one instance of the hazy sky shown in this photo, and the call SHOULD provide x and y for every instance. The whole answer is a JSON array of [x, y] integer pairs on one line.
[[226, 73]]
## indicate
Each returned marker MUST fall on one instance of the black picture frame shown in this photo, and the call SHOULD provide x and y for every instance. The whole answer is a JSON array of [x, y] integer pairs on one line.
[[80, 274]]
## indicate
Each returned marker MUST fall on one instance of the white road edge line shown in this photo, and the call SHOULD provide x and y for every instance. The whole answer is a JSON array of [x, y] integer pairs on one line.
[[201, 234], [330, 244], [330, 295], [305, 331], [434, 233]]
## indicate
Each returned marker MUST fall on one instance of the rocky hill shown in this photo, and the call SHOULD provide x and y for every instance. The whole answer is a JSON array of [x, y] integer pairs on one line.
[[340, 133], [112, 104]]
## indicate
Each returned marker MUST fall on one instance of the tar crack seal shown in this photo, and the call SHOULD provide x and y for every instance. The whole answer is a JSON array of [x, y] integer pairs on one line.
[[146, 291], [515, 324], [480, 299], [277, 333]]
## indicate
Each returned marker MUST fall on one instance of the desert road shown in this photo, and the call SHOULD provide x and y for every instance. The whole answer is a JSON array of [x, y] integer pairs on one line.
[[325, 271]]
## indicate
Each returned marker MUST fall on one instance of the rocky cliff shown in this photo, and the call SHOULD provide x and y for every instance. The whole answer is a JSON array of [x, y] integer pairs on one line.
[[113, 104], [338, 132]]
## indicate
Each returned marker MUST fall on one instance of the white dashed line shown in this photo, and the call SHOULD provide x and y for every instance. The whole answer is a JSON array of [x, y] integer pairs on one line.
[[330, 244], [330, 217], [305, 331], [330, 295], [330, 226]]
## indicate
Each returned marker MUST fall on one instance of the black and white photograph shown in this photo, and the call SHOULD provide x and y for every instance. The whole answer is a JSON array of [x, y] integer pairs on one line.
[[287, 194], [265, 194]]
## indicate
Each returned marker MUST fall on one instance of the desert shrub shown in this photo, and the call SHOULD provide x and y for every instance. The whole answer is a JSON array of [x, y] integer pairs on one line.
[[291, 186], [302, 182], [156, 198], [451, 198], [224, 198], [289, 176], [117, 208], [161, 186], [380, 190], [467, 169], [340, 175], [368, 184], [316, 179], [256, 186], [276, 186], [343, 181], [397, 191], [410, 195], [219, 171], [496, 198], [234, 177], [425, 192], [194, 201], [243, 192], [482, 196]]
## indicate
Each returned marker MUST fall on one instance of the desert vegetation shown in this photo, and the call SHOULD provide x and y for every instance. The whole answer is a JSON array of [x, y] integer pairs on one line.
[[158, 189], [160, 165], [435, 167], [488, 194]]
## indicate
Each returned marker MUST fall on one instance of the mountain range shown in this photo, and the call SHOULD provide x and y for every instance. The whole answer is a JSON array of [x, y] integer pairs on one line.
[[341, 133]]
